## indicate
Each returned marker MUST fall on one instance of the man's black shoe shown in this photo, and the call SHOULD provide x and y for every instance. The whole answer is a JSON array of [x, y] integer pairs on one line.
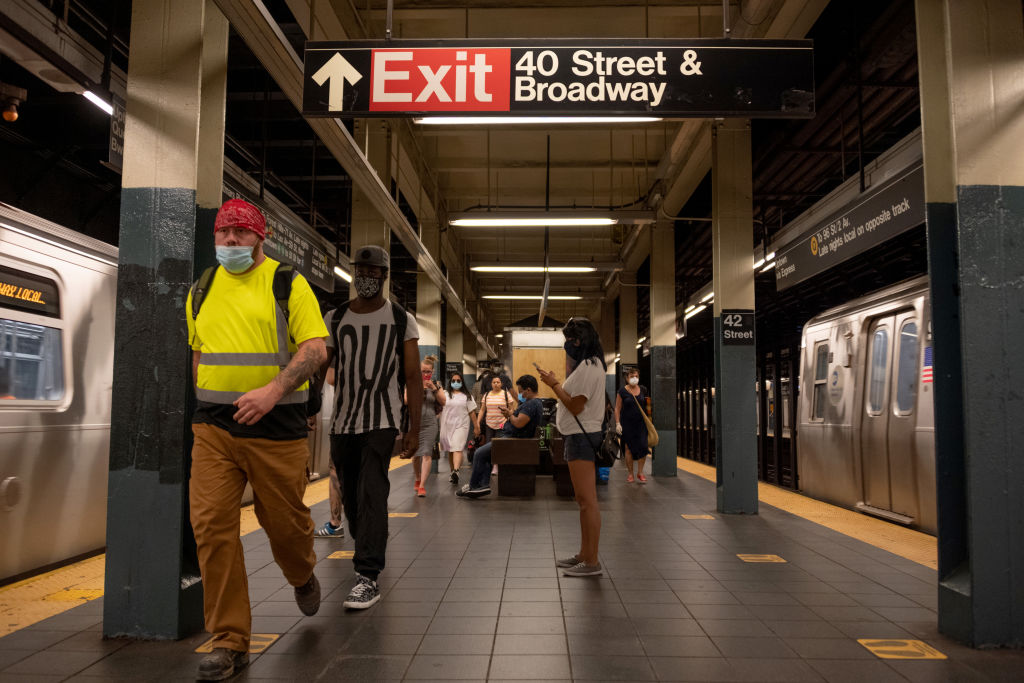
[[466, 492], [220, 664], [308, 597]]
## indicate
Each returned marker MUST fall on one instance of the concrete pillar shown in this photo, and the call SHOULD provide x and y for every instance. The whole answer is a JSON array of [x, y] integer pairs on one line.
[[453, 339], [152, 585], [368, 227], [606, 330], [973, 140], [663, 346], [428, 297], [627, 319], [469, 345], [732, 237]]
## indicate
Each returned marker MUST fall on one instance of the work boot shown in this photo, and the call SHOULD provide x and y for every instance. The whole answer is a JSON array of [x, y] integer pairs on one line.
[[220, 664], [308, 597]]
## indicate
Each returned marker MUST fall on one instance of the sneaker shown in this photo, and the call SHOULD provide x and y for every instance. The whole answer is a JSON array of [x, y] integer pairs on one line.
[[328, 530], [421, 492], [220, 664], [308, 597], [454, 479], [629, 478], [466, 492], [583, 569], [568, 562], [363, 595], [641, 478]]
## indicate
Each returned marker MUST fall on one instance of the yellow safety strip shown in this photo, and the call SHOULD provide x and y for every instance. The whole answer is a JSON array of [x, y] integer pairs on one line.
[[46, 595], [907, 543]]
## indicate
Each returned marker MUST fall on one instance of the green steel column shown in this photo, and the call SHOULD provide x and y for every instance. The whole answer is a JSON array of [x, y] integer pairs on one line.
[[627, 319], [732, 246], [453, 335], [606, 328], [152, 587], [368, 226], [973, 137], [663, 347]]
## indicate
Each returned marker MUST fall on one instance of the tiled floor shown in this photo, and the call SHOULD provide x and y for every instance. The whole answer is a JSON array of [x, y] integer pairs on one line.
[[471, 593]]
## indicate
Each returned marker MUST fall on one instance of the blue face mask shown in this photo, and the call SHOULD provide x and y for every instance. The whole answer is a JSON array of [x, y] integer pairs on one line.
[[521, 399], [456, 385], [235, 259]]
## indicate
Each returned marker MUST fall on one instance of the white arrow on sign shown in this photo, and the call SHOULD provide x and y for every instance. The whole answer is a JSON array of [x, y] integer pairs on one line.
[[337, 70]]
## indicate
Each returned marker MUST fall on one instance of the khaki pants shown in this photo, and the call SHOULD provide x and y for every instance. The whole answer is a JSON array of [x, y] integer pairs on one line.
[[221, 465]]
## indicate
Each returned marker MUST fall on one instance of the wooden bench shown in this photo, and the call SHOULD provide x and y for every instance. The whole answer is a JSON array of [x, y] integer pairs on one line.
[[517, 461], [563, 482]]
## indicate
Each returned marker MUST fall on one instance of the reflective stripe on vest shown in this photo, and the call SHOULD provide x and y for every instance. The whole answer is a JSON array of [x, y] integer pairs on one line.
[[281, 359]]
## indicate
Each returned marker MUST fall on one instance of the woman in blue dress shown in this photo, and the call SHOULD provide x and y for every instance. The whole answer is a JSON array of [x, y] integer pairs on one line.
[[629, 423]]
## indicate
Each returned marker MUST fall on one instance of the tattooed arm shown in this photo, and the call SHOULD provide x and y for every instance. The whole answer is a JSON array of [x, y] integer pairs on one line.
[[254, 404]]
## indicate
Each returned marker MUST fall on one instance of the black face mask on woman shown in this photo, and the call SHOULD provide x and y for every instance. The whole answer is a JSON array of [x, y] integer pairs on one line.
[[573, 351]]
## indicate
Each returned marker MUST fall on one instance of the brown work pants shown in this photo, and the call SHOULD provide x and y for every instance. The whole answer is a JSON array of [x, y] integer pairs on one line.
[[221, 465]]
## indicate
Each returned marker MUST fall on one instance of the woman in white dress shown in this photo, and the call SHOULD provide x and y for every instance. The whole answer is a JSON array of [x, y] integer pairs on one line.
[[459, 410]]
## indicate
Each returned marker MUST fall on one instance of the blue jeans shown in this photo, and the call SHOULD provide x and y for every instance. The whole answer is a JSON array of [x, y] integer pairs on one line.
[[481, 476]]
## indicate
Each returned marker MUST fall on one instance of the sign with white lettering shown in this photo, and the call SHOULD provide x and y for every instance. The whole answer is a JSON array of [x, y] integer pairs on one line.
[[873, 218], [117, 119], [567, 77], [737, 327]]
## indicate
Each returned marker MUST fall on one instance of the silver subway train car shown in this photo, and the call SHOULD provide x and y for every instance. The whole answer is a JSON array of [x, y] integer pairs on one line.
[[866, 434], [57, 296]]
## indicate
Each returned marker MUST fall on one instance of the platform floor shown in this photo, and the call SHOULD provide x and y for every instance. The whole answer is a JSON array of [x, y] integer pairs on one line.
[[471, 593]]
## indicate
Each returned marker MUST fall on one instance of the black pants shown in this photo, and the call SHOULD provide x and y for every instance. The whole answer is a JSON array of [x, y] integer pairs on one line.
[[361, 461]]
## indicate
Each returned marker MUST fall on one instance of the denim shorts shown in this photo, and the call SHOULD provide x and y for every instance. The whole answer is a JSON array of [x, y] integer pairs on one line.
[[581, 446]]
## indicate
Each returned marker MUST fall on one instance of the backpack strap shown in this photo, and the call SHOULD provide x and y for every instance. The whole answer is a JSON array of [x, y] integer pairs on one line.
[[199, 289], [284, 275], [401, 323]]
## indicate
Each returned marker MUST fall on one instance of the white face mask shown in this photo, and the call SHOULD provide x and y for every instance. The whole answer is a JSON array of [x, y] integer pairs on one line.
[[634, 381]]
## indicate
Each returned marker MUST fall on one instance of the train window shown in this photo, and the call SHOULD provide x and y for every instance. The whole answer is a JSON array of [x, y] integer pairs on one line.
[[906, 372], [879, 370], [820, 380], [31, 362]]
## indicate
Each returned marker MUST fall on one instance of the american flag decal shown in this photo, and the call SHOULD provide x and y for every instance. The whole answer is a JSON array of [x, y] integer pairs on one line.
[[926, 372]]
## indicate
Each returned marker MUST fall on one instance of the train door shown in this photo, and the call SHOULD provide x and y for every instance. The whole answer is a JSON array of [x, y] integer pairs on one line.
[[887, 428]]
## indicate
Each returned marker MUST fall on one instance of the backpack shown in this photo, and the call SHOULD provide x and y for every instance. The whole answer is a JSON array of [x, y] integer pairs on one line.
[[401, 323], [282, 288]]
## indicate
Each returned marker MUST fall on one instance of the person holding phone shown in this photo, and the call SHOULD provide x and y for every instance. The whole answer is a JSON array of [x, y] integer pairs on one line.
[[423, 458], [578, 417]]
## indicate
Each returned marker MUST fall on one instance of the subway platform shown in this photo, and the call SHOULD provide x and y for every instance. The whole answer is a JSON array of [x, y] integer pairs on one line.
[[471, 593]]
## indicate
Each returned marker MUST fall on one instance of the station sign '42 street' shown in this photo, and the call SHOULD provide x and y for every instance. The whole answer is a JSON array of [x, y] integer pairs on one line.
[[566, 77]]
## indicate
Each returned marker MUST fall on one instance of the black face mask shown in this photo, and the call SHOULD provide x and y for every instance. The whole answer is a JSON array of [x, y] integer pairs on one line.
[[573, 351]]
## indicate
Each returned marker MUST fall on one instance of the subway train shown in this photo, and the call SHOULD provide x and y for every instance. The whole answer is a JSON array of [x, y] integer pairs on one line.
[[57, 299], [866, 430], [58, 291]]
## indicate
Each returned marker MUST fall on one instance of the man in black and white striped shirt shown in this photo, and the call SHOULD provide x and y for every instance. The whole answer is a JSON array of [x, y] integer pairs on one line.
[[372, 366]]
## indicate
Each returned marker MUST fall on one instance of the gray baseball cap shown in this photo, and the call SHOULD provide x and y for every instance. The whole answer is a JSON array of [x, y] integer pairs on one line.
[[371, 255]]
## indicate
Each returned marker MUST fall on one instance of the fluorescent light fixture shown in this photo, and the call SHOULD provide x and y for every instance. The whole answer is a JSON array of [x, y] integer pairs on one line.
[[531, 222], [694, 312], [98, 101], [641, 340], [499, 336], [639, 346], [533, 269], [770, 256], [768, 267], [690, 308], [761, 262], [530, 297], [527, 120], [758, 263], [342, 274], [708, 297]]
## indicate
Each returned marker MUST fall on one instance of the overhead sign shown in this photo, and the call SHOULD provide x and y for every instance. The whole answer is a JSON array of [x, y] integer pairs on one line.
[[581, 77], [870, 220]]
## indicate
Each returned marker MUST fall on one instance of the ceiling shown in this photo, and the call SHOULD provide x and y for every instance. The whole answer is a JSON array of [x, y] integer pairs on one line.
[[866, 74]]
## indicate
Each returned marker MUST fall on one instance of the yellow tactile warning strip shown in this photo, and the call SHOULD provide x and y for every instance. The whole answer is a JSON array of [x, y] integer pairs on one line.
[[747, 557], [403, 514], [696, 516], [40, 597], [907, 543], [258, 642], [901, 649], [342, 555]]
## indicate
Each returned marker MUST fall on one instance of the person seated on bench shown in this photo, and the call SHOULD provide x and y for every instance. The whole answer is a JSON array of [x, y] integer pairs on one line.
[[520, 424]]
